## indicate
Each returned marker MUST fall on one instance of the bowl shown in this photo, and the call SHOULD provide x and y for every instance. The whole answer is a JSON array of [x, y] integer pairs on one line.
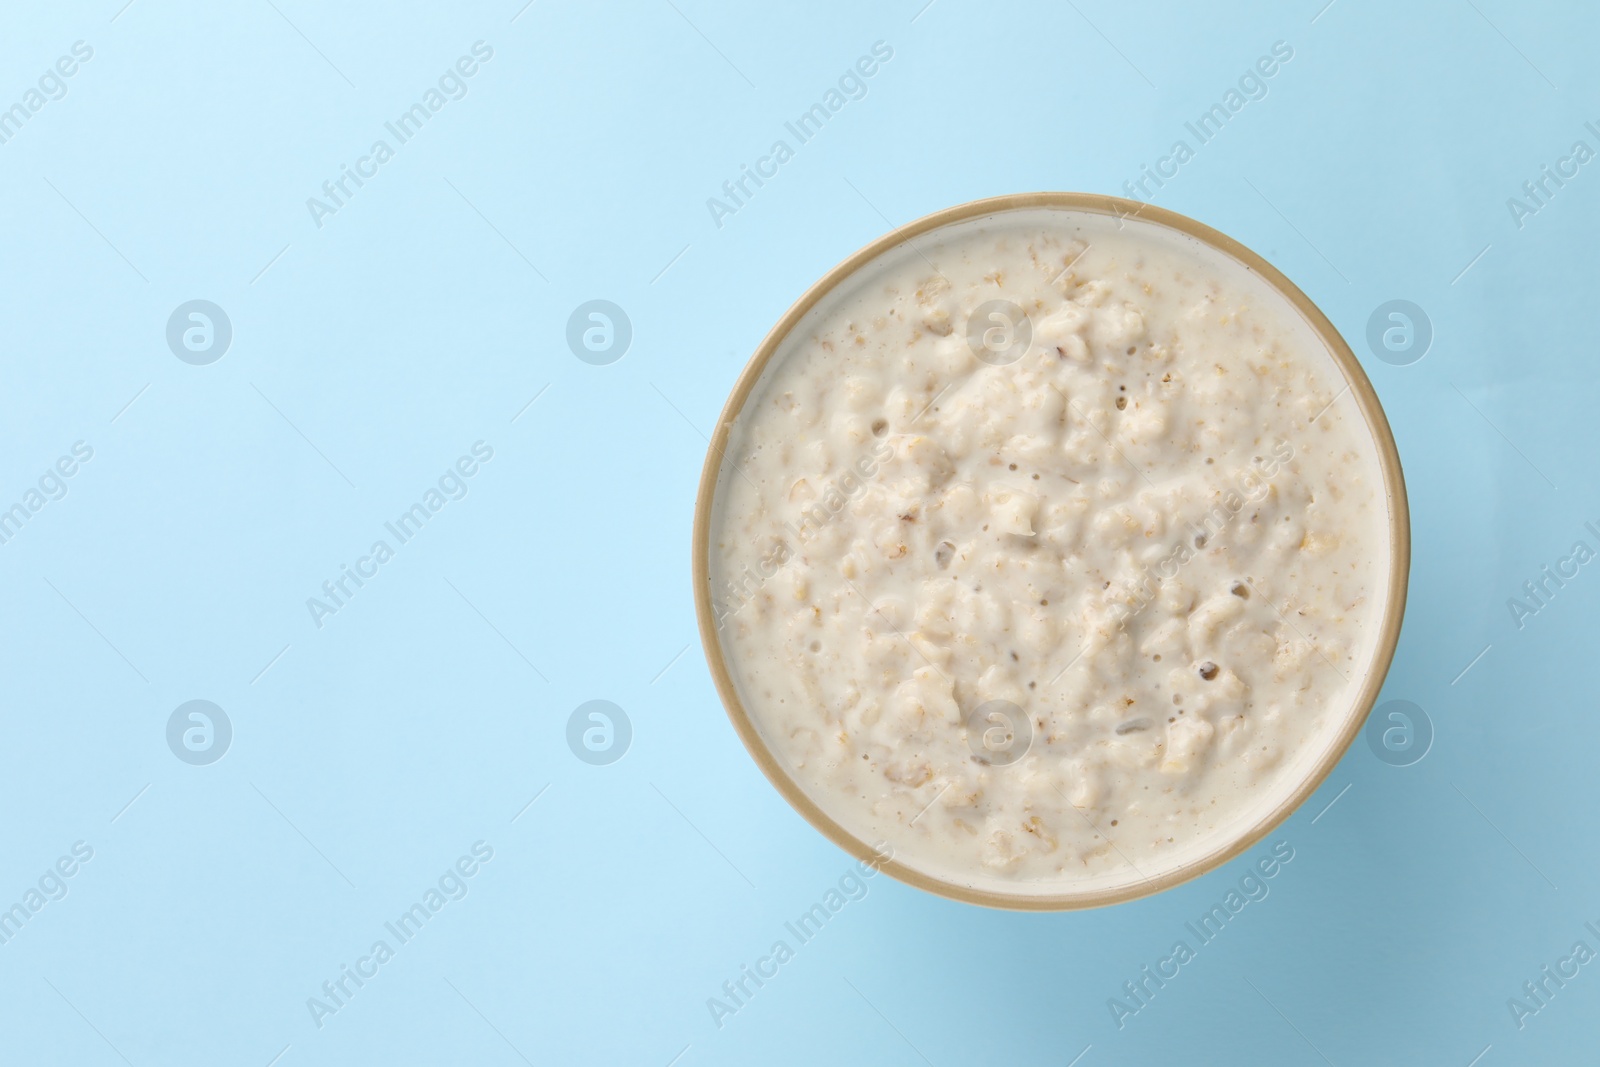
[[1257, 824]]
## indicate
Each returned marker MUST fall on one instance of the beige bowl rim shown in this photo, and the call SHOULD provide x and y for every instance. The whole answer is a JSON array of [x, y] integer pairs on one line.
[[1399, 531]]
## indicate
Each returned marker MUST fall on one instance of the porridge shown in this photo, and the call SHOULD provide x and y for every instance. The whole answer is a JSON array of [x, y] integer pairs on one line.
[[1050, 549]]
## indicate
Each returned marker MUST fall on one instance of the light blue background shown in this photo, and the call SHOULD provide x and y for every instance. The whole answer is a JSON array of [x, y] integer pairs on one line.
[[423, 717]]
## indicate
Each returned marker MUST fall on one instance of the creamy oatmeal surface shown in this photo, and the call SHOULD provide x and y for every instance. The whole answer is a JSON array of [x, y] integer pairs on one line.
[[1049, 551]]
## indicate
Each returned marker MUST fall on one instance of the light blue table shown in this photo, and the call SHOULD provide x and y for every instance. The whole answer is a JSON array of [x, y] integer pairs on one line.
[[408, 333]]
